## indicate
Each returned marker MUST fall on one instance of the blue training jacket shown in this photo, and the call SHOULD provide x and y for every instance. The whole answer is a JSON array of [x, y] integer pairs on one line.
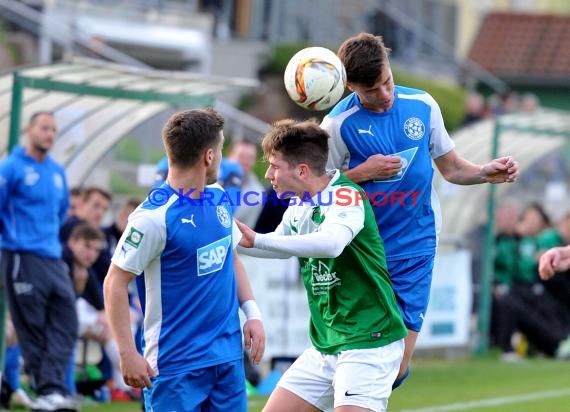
[[34, 199]]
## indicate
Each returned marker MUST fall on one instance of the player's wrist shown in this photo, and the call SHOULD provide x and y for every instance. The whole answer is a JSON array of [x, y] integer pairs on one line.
[[483, 176], [251, 310]]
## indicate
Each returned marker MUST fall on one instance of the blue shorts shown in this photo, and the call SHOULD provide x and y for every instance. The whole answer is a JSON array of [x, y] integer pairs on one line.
[[411, 281], [215, 388]]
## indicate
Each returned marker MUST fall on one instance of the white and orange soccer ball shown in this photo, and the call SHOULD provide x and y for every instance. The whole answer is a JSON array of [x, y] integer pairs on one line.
[[315, 78]]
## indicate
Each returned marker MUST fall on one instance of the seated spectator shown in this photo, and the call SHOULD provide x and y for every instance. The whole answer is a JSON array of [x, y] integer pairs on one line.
[[244, 152], [83, 247], [474, 109], [527, 306], [92, 209], [96, 202], [529, 103], [506, 246], [558, 287], [75, 200], [504, 103], [114, 231]]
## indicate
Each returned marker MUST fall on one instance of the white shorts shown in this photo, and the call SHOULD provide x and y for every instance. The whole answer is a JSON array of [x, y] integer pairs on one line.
[[358, 377]]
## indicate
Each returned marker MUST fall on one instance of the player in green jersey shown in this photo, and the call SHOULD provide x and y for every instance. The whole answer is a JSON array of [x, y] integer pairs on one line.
[[355, 327]]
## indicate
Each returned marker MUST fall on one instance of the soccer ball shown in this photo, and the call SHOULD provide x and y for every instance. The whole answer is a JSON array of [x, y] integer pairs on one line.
[[315, 78]]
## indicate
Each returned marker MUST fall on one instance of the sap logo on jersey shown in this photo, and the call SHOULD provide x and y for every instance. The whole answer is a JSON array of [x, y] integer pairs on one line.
[[211, 257]]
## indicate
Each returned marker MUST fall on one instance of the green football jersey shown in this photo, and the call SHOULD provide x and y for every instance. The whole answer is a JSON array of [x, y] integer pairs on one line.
[[351, 301]]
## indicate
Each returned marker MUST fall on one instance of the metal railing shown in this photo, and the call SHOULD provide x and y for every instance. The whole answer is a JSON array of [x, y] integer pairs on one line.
[[33, 21]]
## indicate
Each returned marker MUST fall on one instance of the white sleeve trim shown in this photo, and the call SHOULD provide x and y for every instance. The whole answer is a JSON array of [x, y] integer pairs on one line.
[[265, 254], [338, 152], [328, 243]]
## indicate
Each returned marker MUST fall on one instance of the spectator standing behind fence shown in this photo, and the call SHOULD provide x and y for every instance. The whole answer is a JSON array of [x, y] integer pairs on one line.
[[34, 199]]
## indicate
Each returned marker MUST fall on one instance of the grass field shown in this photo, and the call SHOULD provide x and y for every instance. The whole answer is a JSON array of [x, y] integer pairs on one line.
[[488, 385]]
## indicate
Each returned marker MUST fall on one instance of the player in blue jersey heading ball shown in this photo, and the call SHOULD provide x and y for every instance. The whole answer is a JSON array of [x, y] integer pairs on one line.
[[387, 136], [194, 282]]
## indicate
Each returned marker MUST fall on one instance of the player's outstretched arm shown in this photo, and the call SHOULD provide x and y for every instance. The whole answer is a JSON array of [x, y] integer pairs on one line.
[[253, 331], [246, 244], [554, 260], [135, 369], [458, 170]]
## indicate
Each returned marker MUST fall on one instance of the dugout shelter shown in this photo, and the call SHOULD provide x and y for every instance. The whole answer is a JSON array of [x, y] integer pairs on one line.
[[96, 103]]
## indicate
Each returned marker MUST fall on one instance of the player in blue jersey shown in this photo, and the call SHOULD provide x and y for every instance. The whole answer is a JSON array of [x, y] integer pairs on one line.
[[192, 347], [387, 136]]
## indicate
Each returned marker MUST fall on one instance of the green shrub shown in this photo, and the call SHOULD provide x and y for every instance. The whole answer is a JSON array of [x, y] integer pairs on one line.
[[122, 186], [128, 149]]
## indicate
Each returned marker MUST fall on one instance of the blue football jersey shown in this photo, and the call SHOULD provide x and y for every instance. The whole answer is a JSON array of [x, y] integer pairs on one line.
[[406, 207], [185, 248]]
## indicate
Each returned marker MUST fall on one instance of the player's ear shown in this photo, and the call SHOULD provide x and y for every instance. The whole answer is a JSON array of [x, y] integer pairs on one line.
[[209, 156], [349, 86]]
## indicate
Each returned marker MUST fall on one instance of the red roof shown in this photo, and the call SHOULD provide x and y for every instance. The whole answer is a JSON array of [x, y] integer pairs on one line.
[[524, 48]]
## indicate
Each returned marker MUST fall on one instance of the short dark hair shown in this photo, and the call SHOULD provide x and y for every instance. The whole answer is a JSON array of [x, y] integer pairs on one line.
[[364, 57], [246, 142], [87, 232], [76, 191], [298, 142], [540, 210], [131, 203], [39, 113], [90, 190], [187, 134]]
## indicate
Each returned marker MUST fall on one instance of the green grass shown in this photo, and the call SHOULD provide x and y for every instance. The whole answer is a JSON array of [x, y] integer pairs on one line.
[[436, 383], [442, 383]]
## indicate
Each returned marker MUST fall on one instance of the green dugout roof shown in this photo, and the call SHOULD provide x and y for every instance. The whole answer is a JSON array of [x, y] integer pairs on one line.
[[96, 103]]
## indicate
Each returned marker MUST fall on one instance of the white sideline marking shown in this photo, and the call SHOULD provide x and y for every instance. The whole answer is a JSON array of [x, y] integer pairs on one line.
[[485, 403]]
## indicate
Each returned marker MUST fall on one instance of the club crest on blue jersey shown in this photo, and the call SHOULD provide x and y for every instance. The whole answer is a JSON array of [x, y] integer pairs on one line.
[[414, 128], [407, 157], [58, 181], [224, 216], [31, 176], [211, 258]]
